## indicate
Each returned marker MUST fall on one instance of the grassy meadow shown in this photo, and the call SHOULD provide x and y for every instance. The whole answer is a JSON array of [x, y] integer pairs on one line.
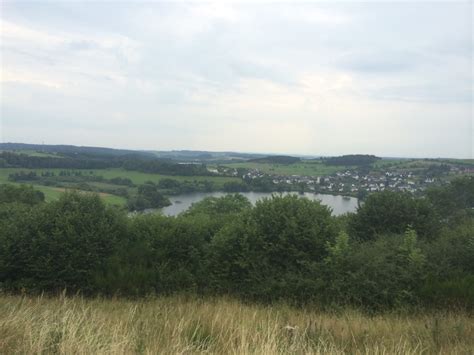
[[178, 325], [34, 153], [318, 168], [52, 193], [136, 176]]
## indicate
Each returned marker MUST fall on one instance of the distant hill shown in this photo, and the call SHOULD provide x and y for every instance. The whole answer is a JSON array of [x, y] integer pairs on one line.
[[276, 159], [58, 151], [31, 156], [74, 151], [351, 160], [199, 155]]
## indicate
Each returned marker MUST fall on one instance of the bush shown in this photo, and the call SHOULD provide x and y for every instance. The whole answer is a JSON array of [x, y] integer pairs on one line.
[[390, 212], [20, 194], [273, 250], [458, 291], [148, 196], [377, 274], [283, 248], [161, 254], [452, 253], [61, 244], [450, 200]]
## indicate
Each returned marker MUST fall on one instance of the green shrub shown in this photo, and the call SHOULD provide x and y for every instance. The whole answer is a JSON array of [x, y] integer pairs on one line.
[[61, 244], [390, 212], [20, 194], [458, 292], [272, 252]]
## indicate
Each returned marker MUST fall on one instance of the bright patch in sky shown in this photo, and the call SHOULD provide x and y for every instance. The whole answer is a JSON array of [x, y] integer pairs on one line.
[[318, 78]]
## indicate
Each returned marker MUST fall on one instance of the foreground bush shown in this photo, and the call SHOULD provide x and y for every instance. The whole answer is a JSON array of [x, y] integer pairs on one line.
[[390, 212], [283, 249], [58, 245], [377, 274], [272, 252], [159, 255], [20, 194]]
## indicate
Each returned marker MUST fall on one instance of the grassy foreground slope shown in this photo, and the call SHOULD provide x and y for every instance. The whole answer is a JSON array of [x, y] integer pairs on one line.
[[172, 325]]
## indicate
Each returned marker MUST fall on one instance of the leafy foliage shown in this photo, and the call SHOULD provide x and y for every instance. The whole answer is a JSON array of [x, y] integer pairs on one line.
[[454, 199], [148, 196], [393, 212], [272, 251], [20, 194], [397, 250], [60, 244]]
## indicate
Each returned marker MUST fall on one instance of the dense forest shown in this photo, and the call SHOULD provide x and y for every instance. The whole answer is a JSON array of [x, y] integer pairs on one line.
[[94, 161], [396, 250], [276, 159], [175, 155]]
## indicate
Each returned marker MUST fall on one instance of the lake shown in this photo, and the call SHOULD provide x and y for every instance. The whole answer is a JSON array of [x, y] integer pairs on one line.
[[338, 204]]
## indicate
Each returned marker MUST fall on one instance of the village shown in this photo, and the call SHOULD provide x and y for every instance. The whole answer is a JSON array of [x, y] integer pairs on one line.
[[354, 182]]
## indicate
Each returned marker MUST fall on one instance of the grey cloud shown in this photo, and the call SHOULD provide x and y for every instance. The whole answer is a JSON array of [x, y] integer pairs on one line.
[[381, 61], [434, 93], [131, 65], [80, 45]]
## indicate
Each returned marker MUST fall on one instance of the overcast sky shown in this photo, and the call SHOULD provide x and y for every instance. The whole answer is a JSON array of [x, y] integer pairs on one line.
[[318, 78]]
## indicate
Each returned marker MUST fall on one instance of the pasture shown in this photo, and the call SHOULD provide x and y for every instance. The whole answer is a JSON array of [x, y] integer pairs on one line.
[[34, 153], [52, 193], [136, 176]]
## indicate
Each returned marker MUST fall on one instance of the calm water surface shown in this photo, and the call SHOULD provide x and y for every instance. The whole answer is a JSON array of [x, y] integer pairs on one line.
[[338, 204]]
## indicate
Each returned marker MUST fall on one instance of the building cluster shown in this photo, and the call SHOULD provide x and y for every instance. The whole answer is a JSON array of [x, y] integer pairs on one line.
[[354, 182], [351, 182]]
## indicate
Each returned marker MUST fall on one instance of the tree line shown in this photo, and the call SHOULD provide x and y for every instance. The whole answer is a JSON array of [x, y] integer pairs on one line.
[[352, 160], [91, 161], [84, 180], [276, 159], [50, 178], [396, 250]]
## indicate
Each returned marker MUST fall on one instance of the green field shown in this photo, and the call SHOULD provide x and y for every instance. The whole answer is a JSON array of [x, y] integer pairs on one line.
[[318, 168], [469, 162], [307, 168], [386, 163], [33, 153], [136, 176], [140, 178], [419, 163], [52, 193]]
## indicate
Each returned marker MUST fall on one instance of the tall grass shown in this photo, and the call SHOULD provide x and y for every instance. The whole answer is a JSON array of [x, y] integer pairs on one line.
[[176, 325]]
